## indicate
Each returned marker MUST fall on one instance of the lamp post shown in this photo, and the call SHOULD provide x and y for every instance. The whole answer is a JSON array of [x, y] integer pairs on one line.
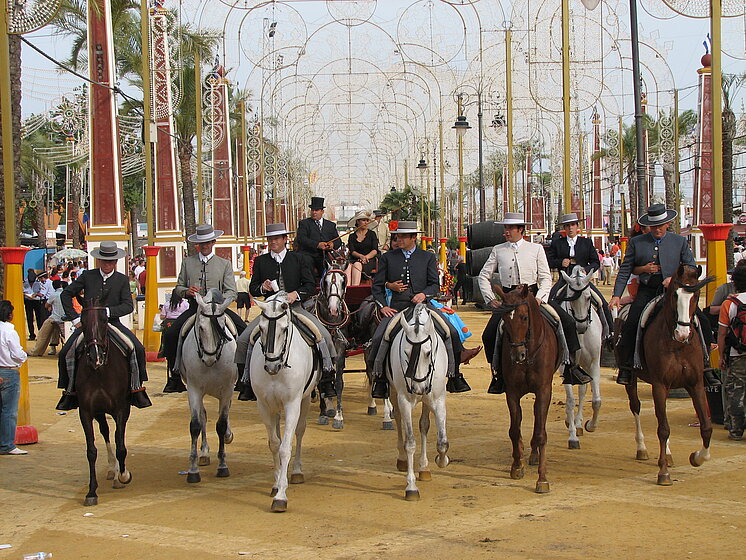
[[461, 126], [422, 168]]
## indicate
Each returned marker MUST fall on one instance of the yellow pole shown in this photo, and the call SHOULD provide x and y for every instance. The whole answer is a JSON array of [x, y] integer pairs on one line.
[[509, 117], [621, 180], [442, 253], [198, 108], [460, 201], [246, 250], [13, 259], [441, 223], [675, 162], [11, 236], [566, 192], [151, 339]]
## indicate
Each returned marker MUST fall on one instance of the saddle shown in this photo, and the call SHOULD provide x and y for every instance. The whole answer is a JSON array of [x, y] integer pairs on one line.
[[120, 340], [308, 330]]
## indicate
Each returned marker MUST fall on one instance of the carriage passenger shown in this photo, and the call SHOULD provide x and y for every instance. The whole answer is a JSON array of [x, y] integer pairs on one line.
[[380, 227], [517, 262], [199, 274], [281, 270], [412, 276], [363, 246], [111, 289], [317, 236], [655, 256]]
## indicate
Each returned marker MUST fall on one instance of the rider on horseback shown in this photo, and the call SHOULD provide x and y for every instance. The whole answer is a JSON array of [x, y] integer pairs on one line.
[[656, 256], [111, 289], [199, 274], [412, 276], [566, 252], [281, 270], [520, 262]]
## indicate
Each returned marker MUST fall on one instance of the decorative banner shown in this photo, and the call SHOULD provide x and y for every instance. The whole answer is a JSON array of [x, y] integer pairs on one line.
[[703, 213]]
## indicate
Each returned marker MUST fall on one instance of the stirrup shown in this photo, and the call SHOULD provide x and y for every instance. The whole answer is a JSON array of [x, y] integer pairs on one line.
[[625, 376]]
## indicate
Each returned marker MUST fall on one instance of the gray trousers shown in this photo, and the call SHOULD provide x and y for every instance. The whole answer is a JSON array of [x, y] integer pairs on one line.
[[244, 347]]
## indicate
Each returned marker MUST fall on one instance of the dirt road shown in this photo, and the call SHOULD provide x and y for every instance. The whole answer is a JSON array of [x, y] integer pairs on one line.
[[602, 502]]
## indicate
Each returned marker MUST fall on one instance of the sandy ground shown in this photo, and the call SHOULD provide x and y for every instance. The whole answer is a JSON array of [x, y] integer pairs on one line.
[[602, 502]]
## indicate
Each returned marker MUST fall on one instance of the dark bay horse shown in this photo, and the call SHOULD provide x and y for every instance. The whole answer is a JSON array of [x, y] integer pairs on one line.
[[103, 387], [529, 360], [673, 358]]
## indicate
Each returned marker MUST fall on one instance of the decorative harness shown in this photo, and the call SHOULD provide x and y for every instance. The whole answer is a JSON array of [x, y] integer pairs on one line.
[[509, 307], [95, 342], [270, 339], [217, 329], [574, 297], [320, 311], [414, 359], [693, 289]]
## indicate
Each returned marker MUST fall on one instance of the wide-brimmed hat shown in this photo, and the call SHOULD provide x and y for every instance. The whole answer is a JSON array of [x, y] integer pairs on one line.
[[362, 215], [107, 251], [317, 203], [657, 215], [513, 219], [569, 218], [406, 226], [205, 233], [276, 229]]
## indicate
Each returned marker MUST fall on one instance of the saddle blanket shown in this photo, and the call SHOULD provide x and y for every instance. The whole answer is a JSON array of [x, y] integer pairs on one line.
[[121, 341]]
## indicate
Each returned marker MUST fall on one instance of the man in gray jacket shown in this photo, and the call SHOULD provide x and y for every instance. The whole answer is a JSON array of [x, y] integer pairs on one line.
[[199, 273]]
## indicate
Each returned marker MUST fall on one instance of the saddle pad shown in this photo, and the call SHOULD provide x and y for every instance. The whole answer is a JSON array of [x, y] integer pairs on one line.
[[444, 330], [598, 299], [647, 313], [304, 322], [624, 312], [120, 338], [550, 312], [186, 327], [392, 325]]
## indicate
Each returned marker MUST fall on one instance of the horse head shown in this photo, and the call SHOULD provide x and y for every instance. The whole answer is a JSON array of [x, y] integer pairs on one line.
[[516, 321], [682, 295], [333, 288], [274, 326], [419, 348], [578, 296], [95, 333], [210, 329]]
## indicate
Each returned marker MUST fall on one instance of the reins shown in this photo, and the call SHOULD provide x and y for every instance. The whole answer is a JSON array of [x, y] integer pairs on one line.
[[527, 341], [270, 337], [217, 329], [94, 342]]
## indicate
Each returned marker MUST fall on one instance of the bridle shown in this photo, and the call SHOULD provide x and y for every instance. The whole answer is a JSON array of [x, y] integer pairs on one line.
[[270, 338], [692, 289], [217, 329], [94, 341], [336, 290], [508, 308], [414, 359], [576, 295]]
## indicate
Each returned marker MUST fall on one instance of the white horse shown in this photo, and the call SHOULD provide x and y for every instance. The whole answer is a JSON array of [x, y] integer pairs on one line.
[[417, 367], [579, 303], [283, 374], [207, 368]]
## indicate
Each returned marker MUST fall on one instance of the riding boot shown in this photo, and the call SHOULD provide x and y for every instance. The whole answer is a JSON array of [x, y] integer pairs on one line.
[[457, 384], [380, 389], [246, 393], [625, 375], [174, 383], [573, 374], [140, 399], [326, 383], [68, 401], [497, 384]]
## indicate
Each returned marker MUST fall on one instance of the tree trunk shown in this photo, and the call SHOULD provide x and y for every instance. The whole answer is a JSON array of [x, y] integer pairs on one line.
[[729, 130], [187, 186], [74, 206], [39, 221], [671, 201], [633, 209]]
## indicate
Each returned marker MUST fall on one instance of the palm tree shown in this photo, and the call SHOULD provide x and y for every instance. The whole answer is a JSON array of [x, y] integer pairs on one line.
[[732, 83]]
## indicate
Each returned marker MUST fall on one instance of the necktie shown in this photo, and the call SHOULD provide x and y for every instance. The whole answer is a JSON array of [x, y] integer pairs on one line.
[[280, 280], [318, 223], [517, 271], [203, 279]]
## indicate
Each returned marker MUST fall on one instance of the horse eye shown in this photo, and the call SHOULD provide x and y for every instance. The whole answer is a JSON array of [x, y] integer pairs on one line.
[[284, 306]]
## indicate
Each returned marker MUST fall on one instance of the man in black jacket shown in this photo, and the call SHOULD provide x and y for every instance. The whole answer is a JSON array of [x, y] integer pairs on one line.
[[112, 290], [412, 276], [316, 236], [572, 249], [281, 270]]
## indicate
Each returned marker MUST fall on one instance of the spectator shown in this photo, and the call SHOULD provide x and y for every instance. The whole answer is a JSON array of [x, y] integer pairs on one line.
[[12, 357], [607, 266], [141, 278], [43, 286], [243, 300], [460, 281], [733, 357], [51, 332], [31, 304]]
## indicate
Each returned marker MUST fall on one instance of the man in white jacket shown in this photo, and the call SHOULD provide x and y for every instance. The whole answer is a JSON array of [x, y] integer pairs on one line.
[[517, 262]]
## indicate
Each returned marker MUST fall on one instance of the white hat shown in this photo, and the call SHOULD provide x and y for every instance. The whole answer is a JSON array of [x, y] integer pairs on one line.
[[406, 226], [513, 219], [362, 215], [107, 251]]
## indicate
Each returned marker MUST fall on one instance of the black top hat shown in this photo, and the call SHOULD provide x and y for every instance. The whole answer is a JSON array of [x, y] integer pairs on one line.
[[317, 203]]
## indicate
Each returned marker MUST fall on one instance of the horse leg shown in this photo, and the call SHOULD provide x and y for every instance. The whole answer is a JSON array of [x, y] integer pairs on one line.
[[296, 476], [221, 427], [582, 390], [195, 428], [699, 399], [572, 440], [292, 415], [404, 413], [91, 499], [388, 408], [324, 405], [339, 385], [204, 450], [592, 424], [401, 459], [123, 476], [372, 408], [423, 473], [514, 407], [660, 392], [271, 421], [103, 427], [634, 407], [440, 418], [539, 438]]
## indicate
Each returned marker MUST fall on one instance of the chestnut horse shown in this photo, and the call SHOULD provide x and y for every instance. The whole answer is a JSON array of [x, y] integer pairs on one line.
[[529, 360], [102, 381], [673, 358]]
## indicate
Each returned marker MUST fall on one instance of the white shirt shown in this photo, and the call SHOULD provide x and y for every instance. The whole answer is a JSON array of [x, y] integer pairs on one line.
[[204, 259], [607, 261], [571, 241], [138, 269], [517, 263], [106, 276], [12, 355]]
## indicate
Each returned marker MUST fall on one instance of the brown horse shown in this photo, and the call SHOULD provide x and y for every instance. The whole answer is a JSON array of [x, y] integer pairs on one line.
[[102, 382], [529, 360], [673, 359]]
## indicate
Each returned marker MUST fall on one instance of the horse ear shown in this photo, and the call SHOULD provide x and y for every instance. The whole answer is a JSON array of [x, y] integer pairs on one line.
[[524, 290], [498, 290], [699, 270], [261, 304], [680, 271], [565, 277]]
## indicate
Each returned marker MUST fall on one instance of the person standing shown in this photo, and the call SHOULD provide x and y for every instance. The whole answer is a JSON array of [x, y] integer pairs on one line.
[[12, 357], [243, 300], [51, 331], [381, 228], [317, 236], [607, 265], [31, 304], [733, 354]]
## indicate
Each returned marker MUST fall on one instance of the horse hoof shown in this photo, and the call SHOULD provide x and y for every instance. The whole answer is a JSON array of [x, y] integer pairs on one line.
[[693, 461], [533, 459], [90, 501], [338, 424], [642, 455], [330, 412], [664, 480], [412, 495], [388, 426], [542, 487], [125, 477], [573, 444], [273, 492], [223, 472], [579, 431], [279, 506], [401, 465], [228, 438], [442, 461], [589, 427], [323, 420], [117, 485], [669, 460], [372, 411], [516, 473], [193, 477], [204, 461], [297, 478], [110, 475], [424, 476]]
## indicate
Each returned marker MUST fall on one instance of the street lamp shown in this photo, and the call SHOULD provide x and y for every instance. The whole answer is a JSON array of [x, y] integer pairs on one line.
[[461, 126], [422, 168]]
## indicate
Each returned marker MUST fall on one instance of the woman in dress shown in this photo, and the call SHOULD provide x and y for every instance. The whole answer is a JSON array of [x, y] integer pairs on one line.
[[363, 247]]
